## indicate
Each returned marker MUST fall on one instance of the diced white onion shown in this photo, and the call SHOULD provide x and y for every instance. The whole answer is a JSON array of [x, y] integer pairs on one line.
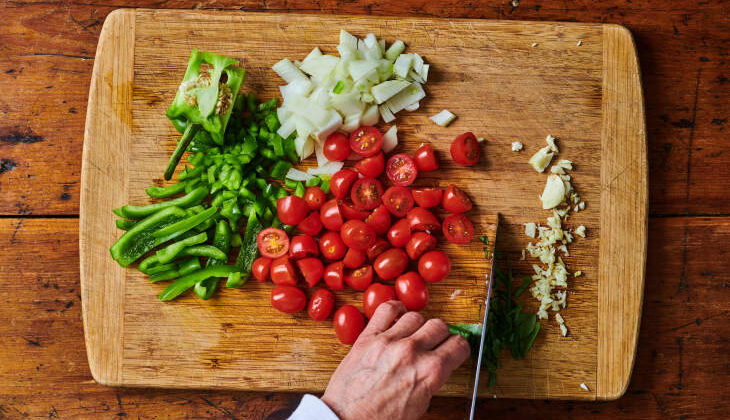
[[288, 71], [402, 65], [334, 122], [347, 40], [304, 146], [287, 128], [297, 175], [443, 118], [385, 113], [417, 63], [313, 54], [395, 50], [412, 107], [424, 72], [407, 96], [328, 168], [351, 123], [370, 116], [386, 90], [319, 153], [390, 139]]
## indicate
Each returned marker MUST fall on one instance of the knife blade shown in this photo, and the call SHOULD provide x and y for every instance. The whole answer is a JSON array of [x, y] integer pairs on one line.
[[490, 281]]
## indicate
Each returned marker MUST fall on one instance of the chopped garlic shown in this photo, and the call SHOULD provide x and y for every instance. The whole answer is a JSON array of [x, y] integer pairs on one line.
[[554, 192], [584, 387], [578, 273], [541, 159], [530, 229], [557, 170], [481, 139], [581, 231], [563, 330], [522, 258], [579, 43], [582, 205], [534, 44], [559, 318], [516, 146], [550, 140]]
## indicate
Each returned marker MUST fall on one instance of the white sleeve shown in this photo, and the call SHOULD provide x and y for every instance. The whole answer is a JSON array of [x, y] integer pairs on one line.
[[312, 408]]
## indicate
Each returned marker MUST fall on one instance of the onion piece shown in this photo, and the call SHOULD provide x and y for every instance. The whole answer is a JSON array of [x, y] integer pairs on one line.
[[412, 107], [443, 118], [297, 175], [386, 90], [351, 123], [407, 96], [402, 65], [288, 71], [386, 113], [390, 139], [370, 116], [328, 168], [395, 50], [319, 153]]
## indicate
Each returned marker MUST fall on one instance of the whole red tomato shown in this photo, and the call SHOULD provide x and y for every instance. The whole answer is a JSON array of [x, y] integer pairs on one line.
[[391, 263], [288, 299], [348, 323], [412, 291], [292, 209], [374, 295], [261, 268], [400, 233], [314, 197], [336, 147], [434, 266]]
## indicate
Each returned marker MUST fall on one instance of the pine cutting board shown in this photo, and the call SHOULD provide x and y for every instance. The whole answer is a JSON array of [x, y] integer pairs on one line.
[[505, 81]]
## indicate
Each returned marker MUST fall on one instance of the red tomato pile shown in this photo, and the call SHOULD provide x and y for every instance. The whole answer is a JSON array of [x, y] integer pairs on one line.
[[365, 234]]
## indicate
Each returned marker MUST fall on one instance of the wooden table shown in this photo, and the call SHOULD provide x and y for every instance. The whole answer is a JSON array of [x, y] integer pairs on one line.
[[682, 369]]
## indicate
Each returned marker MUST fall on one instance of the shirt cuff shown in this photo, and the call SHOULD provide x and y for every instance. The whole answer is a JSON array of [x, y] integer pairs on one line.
[[312, 408]]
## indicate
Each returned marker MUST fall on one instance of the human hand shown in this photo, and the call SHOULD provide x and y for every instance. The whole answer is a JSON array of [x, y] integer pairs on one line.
[[393, 370]]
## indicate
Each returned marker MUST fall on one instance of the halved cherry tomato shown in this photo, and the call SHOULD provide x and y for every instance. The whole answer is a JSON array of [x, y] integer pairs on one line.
[[401, 170], [341, 182], [425, 158], [288, 299], [261, 268], [412, 291], [348, 323], [334, 276], [366, 193], [377, 248], [282, 271], [456, 200], [303, 246], [330, 215], [400, 233], [465, 149], [336, 147], [379, 220], [312, 270], [420, 243], [366, 141], [374, 295], [321, 304], [311, 225], [458, 229], [428, 197], [391, 263], [422, 219], [371, 167], [272, 242], [354, 258], [315, 197], [291, 209], [331, 246], [351, 212], [398, 200], [359, 278], [357, 234], [434, 266]]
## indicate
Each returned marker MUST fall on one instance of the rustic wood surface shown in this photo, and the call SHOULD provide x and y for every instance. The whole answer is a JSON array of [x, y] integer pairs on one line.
[[682, 361]]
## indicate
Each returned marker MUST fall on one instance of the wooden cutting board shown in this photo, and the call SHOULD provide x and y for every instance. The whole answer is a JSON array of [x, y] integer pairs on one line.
[[506, 81]]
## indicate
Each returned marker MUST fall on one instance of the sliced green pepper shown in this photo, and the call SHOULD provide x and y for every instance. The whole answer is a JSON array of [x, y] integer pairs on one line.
[[236, 280], [299, 191], [169, 252], [184, 283], [160, 268], [188, 266], [208, 251], [137, 212], [176, 229], [124, 224], [140, 239], [168, 191]]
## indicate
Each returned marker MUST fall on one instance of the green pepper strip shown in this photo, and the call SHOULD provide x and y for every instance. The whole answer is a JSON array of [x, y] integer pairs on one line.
[[182, 145], [176, 229], [207, 251], [160, 268], [235, 280], [163, 192], [124, 224], [188, 266], [249, 249], [195, 197], [165, 275], [188, 174], [166, 254], [186, 282], [222, 241], [141, 238]]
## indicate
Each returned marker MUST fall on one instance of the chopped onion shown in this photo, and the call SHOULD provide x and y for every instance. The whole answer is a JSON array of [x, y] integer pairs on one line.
[[443, 118], [288, 71], [402, 65], [386, 90], [320, 67], [370, 116], [334, 122], [287, 128], [313, 54], [297, 175], [348, 41], [395, 50], [385, 113], [390, 139], [362, 69], [304, 146], [412, 107], [407, 96], [417, 63], [424, 72], [328, 168], [352, 122], [319, 153]]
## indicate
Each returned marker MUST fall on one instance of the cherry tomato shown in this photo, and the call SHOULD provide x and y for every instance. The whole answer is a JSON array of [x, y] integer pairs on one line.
[[412, 291], [282, 271], [291, 209], [398, 200], [312, 270], [428, 197], [341, 182], [348, 323], [425, 158], [379, 220], [401, 170], [380, 246], [314, 197], [330, 215], [336, 147], [434, 266], [391, 263], [422, 219], [359, 278], [357, 234], [366, 193], [260, 269], [371, 167], [321, 304], [331, 246], [350, 211], [366, 141], [288, 299], [456, 200], [419, 243], [374, 295], [400, 233], [303, 246], [272, 242], [465, 149], [334, 276], [458, 229], [311, 225], [355, 258]]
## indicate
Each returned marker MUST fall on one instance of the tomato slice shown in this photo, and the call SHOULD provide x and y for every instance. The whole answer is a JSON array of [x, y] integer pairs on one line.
[[401, 170], [366, 141], [312, 270], [314, 197], [261, 268], [400, 233], [434, 266], [321, 304], [351, 212], [330, 215], [458, 229], [331, 246], [359, 278], [465, 149], [292, 209], [341, 182], [288, 299], [376, 294], [379, 220], [422, 219], [371, 167], [302, 246], [398, 200], [420, 243], [357, 234], [348, 323], [282, 271], [367, 193], [391, 263], [377, 248], [272, 242], [311, 225], [425, 158], [354, 258], [336, 147], [456, 200], [412, 291], [428, 197]]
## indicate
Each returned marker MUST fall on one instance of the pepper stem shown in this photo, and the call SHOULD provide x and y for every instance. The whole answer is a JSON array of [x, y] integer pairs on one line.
[[182, 146]]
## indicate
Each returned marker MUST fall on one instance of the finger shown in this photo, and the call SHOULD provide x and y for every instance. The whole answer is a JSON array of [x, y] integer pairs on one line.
[[444, 360], [431, 334], [384, 317], [409, 323]]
